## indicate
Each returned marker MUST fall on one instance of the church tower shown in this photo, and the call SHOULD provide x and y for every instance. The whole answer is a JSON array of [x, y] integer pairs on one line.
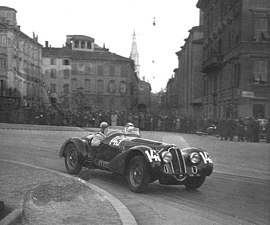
[[135, 55]]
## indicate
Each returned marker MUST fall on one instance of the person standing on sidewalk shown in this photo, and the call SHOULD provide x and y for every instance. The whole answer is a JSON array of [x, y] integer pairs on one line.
[[267, 131]]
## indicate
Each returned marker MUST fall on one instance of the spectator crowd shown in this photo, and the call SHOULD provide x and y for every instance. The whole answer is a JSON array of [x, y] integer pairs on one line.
[[239, 129], [246, 129]]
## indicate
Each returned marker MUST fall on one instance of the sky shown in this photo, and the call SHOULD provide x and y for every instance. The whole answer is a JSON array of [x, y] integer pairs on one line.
[[112, 22]]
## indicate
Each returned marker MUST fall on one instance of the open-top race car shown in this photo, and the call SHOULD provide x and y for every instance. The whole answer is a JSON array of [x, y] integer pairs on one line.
[[140, 160]]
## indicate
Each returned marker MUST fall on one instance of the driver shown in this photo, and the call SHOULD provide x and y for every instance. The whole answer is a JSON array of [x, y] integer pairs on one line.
[[99, 136], [129, 127]]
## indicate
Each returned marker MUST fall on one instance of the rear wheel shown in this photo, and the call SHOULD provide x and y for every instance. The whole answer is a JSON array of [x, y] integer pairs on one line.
[[72, 163], [137, 174], [193, 183]]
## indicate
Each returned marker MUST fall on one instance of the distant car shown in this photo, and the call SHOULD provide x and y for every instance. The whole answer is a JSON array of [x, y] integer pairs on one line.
[[212, 130], [140, 160]]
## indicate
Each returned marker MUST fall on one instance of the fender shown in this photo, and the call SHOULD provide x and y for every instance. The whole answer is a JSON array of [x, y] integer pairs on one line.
[[205, 166], [120, 162], [80, 145]]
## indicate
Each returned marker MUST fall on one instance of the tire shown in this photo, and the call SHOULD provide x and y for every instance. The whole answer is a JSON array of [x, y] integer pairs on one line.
[[193, 183], [137, 174], [72, 163]]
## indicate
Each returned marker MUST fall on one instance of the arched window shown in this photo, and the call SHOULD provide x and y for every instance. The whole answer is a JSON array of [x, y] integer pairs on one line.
[[123, 87], [111, 87], [87, 85], [74, 84]]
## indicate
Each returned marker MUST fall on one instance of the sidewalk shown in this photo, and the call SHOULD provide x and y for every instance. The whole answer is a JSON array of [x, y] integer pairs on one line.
[[35, 195], [44, 127]]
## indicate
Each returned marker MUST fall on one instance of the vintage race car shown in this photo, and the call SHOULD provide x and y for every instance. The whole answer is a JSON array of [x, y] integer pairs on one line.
[[140, 160]]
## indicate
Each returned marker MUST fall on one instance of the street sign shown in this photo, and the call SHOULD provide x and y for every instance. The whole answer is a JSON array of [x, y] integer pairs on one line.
[[248, 94]]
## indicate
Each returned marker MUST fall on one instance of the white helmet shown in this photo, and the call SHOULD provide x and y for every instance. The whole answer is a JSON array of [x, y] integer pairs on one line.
[[129, 127], [104, 125]]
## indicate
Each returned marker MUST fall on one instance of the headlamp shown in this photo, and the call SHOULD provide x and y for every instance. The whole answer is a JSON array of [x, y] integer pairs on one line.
[[166, 157], [195, 158]]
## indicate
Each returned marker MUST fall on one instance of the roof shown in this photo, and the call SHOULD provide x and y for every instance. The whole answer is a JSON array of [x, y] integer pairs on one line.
[[83, 55], [7, 8]]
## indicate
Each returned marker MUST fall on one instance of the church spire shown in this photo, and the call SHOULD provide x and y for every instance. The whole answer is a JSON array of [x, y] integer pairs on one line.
[[135, 55]]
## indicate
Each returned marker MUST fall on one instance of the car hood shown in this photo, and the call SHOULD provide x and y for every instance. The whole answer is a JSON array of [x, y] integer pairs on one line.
[[135, 141]]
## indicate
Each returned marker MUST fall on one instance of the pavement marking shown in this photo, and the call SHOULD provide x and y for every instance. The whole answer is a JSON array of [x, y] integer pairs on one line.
[[125, 215]]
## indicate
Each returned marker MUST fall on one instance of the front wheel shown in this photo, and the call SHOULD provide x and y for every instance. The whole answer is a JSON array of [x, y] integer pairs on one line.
[[137, 174], [193, 183], [72, 163]]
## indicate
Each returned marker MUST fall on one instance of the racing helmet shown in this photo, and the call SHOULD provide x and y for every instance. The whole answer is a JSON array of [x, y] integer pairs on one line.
[[104, 125], [129, 127]]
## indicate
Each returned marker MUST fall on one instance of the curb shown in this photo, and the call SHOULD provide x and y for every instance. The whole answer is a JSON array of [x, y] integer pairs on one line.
[[12, 218], [11, 126], [125, 215]]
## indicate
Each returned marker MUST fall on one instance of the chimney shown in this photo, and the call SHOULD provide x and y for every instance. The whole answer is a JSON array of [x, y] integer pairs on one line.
[[46, 44]]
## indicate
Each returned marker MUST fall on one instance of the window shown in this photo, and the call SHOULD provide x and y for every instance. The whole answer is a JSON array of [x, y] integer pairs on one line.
[[261, 25], [100, 86], [112, 87], [87, 85], [259, 110], [53, 73], [89, 44], [53, 61], [123, 87], [82, 44], [124, 71], [66, 89], [66, 74], [66, 62], [3, 41], [3, 63], [53, 88], [112, 70], [260, 72], [76, 44], [100, 70], [2, 86]]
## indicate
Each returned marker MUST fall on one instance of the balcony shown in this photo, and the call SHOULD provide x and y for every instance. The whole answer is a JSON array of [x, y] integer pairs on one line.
[[212, 64]]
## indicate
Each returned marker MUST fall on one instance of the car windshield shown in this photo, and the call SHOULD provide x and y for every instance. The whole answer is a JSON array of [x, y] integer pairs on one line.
[[121, 129]]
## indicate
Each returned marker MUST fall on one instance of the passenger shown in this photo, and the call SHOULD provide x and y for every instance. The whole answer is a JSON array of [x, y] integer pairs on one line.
[[129, 127], [99, 136]]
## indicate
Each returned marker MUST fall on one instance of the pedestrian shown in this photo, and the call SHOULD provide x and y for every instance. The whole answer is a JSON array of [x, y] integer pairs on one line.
[[240, 132], [114, 119], [223, 129], [267, 131], [256, 131], [231, 128]]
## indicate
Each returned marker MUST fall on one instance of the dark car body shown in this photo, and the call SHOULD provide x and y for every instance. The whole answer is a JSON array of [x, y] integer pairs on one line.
[[141, 160]]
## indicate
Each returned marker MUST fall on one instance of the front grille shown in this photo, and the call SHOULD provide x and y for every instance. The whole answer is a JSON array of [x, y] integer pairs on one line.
[[177, 163]]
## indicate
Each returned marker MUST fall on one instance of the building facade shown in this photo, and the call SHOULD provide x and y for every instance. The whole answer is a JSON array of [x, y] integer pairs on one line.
[[20, 70], [236, 58], [144, 96], [188, 76], [90, 76]]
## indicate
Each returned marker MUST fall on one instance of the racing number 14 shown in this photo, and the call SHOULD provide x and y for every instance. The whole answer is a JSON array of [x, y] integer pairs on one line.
[[152, 155], [206, 157]]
